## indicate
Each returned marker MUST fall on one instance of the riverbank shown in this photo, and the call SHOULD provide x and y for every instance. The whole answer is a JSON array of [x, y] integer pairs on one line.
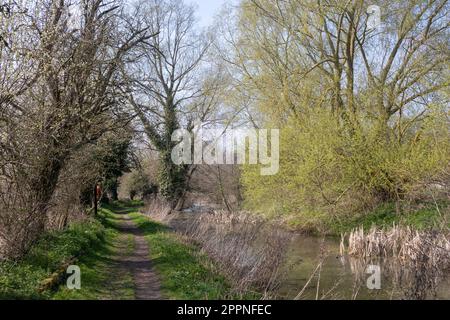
[[213, 257], [247, 246], [421, 217], [185, 273]]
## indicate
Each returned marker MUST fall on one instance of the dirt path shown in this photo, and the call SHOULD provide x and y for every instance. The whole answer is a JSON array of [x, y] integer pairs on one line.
[[137, 261], [119, 285]]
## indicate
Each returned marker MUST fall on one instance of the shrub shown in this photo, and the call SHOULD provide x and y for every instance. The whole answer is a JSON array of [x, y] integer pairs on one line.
[[328, 172], [136, 184]]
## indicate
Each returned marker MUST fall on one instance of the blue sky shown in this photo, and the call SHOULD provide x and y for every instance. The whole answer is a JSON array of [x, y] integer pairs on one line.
[[207, 10]]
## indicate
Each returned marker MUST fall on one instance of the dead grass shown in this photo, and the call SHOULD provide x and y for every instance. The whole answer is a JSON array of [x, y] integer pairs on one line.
[[246, 248], [417, 259]]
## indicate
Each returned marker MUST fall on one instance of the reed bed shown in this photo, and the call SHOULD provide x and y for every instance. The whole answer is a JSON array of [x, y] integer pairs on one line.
[[400, 242], [419, 259], [247, 248]]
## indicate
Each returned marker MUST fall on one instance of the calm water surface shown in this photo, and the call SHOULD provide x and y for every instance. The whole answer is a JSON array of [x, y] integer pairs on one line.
[[345, 277]]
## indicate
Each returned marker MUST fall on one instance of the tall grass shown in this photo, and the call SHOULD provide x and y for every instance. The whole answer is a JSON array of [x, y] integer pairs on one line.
[[246, 248]]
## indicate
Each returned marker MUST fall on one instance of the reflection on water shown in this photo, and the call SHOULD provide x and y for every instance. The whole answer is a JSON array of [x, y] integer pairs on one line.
[[344, 277], [340, 277]]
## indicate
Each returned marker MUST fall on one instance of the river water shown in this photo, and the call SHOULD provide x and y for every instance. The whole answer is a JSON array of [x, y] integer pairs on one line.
[[340, 277], [344, 277]]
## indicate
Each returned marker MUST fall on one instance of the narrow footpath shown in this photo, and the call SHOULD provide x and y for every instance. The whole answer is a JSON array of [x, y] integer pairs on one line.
[[137, 261]]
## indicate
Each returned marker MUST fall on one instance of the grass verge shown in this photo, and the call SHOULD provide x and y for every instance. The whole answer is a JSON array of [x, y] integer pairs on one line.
[[95, 242], [102, 278], [22, 279]]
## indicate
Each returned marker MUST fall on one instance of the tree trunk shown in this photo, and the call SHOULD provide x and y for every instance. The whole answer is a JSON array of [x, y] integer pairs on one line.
[[180, 201]]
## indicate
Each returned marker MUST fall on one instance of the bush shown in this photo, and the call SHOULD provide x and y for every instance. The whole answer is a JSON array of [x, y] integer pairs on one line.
[[136, 184], [330, 173]]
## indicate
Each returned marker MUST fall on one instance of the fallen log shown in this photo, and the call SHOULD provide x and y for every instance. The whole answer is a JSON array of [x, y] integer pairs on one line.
[[56, 277]]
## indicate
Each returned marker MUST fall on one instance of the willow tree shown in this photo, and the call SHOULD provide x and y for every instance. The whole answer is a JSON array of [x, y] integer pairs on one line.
[[328, 46], [310, 63]]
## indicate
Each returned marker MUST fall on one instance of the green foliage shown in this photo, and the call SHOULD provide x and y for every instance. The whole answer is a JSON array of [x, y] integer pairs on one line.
[[385, 216], [171, 177], [112, 156], [137, 183], [21, 279], [353, 135], [329, 173], [126, 205]]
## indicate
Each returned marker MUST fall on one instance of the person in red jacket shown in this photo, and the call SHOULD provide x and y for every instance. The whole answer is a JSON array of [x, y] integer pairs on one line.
[[98, 191], [97, 196]]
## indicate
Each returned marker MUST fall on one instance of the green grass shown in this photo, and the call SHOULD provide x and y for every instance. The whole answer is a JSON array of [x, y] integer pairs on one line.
[[95, 242], [22, 279], [184, 272], [101, 279], [124, 204], [427, 217]]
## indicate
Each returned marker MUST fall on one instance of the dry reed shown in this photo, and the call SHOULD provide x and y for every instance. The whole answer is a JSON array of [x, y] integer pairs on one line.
[[418, 259], [246, 248]]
